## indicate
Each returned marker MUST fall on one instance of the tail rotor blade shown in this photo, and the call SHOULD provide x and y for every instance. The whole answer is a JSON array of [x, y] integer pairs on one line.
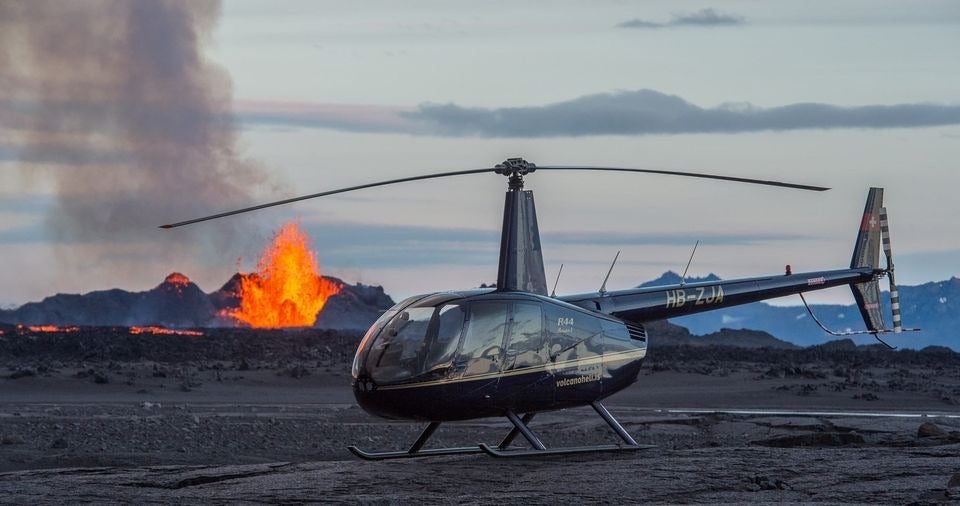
[[888, 251]]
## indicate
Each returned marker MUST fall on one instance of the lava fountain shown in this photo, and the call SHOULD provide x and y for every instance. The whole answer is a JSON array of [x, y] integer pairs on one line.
[[287, 290]]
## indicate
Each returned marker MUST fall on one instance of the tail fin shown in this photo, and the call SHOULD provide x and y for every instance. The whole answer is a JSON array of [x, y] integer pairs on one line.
[[874, 229], [866, 253]]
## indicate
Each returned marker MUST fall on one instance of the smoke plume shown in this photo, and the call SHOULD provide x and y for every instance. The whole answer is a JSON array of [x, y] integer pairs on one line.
[[114, 104]]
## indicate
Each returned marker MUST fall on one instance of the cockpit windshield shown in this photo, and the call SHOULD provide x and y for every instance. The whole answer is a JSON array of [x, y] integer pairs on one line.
[[416, 341]]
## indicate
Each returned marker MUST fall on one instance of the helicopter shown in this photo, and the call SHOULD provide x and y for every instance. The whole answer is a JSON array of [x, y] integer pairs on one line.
[[515, 351]]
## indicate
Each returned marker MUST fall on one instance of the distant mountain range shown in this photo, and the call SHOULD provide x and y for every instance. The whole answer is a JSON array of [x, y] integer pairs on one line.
[[177, 302], [933, 307]]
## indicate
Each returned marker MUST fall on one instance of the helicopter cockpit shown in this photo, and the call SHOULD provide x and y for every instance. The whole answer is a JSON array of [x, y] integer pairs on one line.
[[472, 334], [436, 336]]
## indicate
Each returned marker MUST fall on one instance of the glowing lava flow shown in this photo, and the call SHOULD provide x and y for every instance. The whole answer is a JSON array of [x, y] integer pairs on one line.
[[287, 289], [47, 328]]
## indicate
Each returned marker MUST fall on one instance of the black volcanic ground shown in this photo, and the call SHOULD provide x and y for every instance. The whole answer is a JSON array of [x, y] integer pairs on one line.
[[239, 415]]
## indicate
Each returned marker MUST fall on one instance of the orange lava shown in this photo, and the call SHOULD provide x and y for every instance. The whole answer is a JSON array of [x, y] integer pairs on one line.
[[287, 289], [47, 328], [175, 278], [161, 330]]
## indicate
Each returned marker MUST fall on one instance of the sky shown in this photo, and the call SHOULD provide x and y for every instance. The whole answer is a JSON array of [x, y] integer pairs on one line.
[[311, 95]]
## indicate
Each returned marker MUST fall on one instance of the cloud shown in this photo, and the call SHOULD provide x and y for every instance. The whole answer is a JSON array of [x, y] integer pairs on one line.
[[350, 118], [666, 239], [33, 204], [701, 18], [651, 112], [640, 112], [917, 267], [62, 154], [707, 17], [379, 245], [22, 235], [640, 23]]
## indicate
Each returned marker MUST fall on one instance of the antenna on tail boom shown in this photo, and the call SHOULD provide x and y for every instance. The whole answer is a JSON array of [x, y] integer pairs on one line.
[[683, 277], [603, 287], [553, 293]]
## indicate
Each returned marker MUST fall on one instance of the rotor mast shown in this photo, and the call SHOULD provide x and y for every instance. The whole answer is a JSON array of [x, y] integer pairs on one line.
[[521, 257]]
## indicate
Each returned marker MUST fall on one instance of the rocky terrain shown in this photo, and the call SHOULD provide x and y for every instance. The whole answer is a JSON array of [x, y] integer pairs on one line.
[[710, 458], [235, 415]]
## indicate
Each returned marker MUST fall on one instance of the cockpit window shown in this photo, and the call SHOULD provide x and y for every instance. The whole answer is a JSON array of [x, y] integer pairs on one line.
[[444, 343], [526, 337], [371, 332], [415, 341], [482, 350], [395, 354]]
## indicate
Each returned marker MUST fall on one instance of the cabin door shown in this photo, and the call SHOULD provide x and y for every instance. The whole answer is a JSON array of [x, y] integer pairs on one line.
[[575, 343]]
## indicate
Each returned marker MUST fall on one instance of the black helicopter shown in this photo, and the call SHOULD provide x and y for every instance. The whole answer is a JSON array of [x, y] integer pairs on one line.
[[515, 350]]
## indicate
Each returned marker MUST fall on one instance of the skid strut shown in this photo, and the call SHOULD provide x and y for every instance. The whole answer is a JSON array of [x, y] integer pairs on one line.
[[416, 450], [540, 450], [515, 431], [504, 449]]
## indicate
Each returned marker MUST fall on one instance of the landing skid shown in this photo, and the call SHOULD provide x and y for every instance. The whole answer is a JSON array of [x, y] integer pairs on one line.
[[524, 452], [407, 454], [504, 450]]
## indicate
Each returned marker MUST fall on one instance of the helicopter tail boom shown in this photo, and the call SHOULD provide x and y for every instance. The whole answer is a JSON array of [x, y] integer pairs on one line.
[[656, 303], [646, 304]]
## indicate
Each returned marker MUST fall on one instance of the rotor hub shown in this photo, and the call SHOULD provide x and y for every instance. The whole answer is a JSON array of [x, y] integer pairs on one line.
[[515, 169]]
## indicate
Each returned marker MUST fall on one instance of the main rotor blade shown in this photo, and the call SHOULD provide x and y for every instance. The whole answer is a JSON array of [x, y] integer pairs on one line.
[[495, 169], [323, 194], [688, 174]]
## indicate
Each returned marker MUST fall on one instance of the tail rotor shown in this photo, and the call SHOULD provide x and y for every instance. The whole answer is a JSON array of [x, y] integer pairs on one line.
[[874, 233], [888, 252]]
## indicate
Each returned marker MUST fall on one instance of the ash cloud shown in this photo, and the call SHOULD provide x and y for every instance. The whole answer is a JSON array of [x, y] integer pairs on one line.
[[651, 112], [114, 102], [704, 18]]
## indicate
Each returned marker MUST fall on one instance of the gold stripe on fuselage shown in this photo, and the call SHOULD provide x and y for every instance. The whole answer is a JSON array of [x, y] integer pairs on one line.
[[619, 356]]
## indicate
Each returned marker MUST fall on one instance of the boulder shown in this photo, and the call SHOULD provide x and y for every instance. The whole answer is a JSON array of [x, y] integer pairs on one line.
[[928, 429]]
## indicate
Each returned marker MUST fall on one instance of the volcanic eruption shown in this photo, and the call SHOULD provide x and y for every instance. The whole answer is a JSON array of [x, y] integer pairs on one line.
[[287, 289]]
